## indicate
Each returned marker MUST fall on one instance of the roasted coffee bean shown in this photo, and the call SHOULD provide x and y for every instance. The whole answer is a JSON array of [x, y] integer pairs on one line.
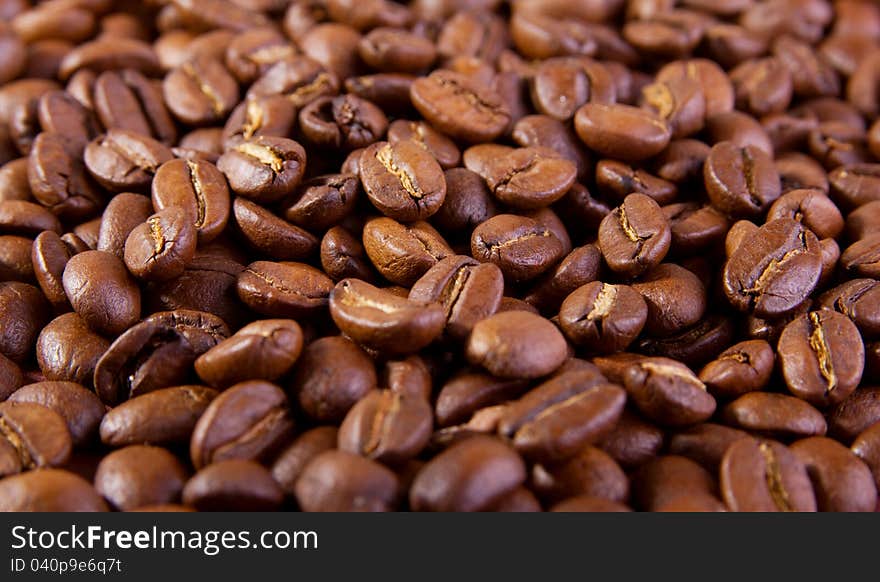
[[200, 92], [602, 317], [705, 443], [284, 289], [621, 131], [259, 116], [763, 86], [162, 417], [857, 299], [24, 218], [740, 130], [841, 481], [438, 145], [345, 122], [822, 357], [23, 310], [633, 441], [863, 221], [322, 202], [128, 100], [459, 107], [59, 181], [156, 353], [695, 227], [520, 246], [740, 181], [635, 236], [380, 320], [773, 270], [248, 421], [402, 180], [291, 462], [516, 344], [343, 256], [778, 415], [332, 374], [671, 480], [862, 258], [11, 377], [592, 472], [668, 392], [675, 297], [269, 234], [858, 412], [264, 168], [387, 427], [811, 207], [618, 180], [160, 248], [102, 292], [682, 161], [402, 253], [342, 481], [466, 393], [122, 215], [200, 189], [49, 490], [15, 259], [49, 257], [449, 481], [67, 350], [122, 160], [555, 420], [765, 476], [262, 350], [253, 51], [36, 436], [233, 485], [744, 367], [468, 291], [139, 475], [579, 267]]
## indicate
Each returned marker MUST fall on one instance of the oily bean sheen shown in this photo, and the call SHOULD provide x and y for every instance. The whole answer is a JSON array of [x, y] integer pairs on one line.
[[402, 180], [516, 344], [635, 236], [33, 436], [283, 289], [668, 392], [233, 485], [160, 248], [200, 189], [102, 292], [841, 480], [621, 131], [49, 490], [603, 317], [520, 246], [269, 234], [140, 475], [740, 181]]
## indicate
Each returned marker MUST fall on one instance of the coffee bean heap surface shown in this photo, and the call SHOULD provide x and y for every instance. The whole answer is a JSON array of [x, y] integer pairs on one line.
[[440, 255]]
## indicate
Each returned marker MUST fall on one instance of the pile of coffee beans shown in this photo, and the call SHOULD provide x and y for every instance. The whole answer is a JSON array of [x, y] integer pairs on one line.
[[440, 255]]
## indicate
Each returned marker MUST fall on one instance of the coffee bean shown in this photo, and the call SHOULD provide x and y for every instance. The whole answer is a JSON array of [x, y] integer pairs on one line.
[[11, 377], [79, 407], [438, 145], [49, 490], [466, 393], [705, 443], [23, 310], [668, 392], [290, 463], [670, 480], [774, 269], [343, 256], [388, 427], [633, 441], [253, 51], [122, 215], [283, 289], [342, 481], [402, 180], [765, 476], [621, 131], [592, 472], [200, 92], [448, 482], [160, 248], [37, 437], [200, 189], [264, 168], [675, 297], [862, 258], [130, 101], [59, 181], [403, 253], [521, 247], [744, 367], [271, 115], [741, 130], [122, 160], [635, 236], [233, 485], [162, 417], [49, 257], [603, 317], [516, 344], [269, 234], [345, 122], [140, 475], [841, 480], [248, 421], [862, 221], [854, 185], [774, 414], [858, 412], [811, 207], [740, 181]]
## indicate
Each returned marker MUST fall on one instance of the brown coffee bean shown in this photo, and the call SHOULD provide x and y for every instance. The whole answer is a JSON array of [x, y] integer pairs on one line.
[[863, 221], [670, 480], [49, 257], [11, 377], [675, 297], [438, 145], [342, 481], [233, 485], [254, 51], [774, 269], [520, 246], [459, 107], [811, 207], [200, 92], [102, 292], [271, 115], [841, 480], [332, 374], [402, 180], [402, 253], [291, 462], [67, 350], [156, 353], [128, 100], [635, 236], [763, 86], [269, 234], [381, 320], [139, 475], [740, 181], [344, 122], [261, 350], [705, 443], [621, 131], [24, 218], [765, 476], [858, 300], [49, 490], [264, 168], [778, 415], [468, 392], [248, 421], [200, 189], [633, 441], [300, 79], [449, 481], [387, 427], [862, 258], [59, 181], [343, 256], [23, 310], [603, 317], [122, 215], [122, 160], [516, 344], [857, 413], [162, 417], [160, 248], [37, 436], [592, 472], [668, 392], [744, 367], [284, 289]]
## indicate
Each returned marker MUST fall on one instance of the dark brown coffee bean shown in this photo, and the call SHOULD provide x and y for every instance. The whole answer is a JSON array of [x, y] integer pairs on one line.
[[128, 100], [122, 215], [740, 129], [14, 181], [284, 289], [762, 86], [635, 236], [603, 317], [342, 481], [516, 344], [343, 256], [261, 350], [857, 299], [811, 77], [248, 421], [675, 297], [197, 187], [387, 427], [156, 353], [49, 256], [322, 202], [271, 115], [520, 246], [107, 54], [381, 320], [773, 270], [558, 418], [403, 253], [862, 258], [468, 202], [233, 485], [765, 476], [23, 310], [774, 414], [344, 122], [15, 259], [140, 475], [797, 170], [865, 446], [299, 79], [122, 160], [59, 181], [618, 180], [49, 490], [621, 131], [291, 462], [561, 85], [67, 350], [438, 145], [811, 207], [254, 51], [459, 107], [11, 377], [449, 481], [264, 168], [160, 248], [705, 443], [102, 292], [857, 413], [37, 436], [633, 441], [24, 218], [670, 481], [200, 92], [744, 367], [862, 221], [740, 181], [841, 480], [332, 374], [822, 357], [402, 180], [162, 417], [468, 392], [269, 234], [668, 392], [591, 472]]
